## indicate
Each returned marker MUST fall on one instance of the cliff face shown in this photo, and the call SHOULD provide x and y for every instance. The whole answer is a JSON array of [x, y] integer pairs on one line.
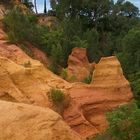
[[25, 122], [109, 75], [78, 65], [109, 89], [23, 79]]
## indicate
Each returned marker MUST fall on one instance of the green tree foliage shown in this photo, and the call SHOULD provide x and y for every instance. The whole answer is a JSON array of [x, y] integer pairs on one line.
[[92, 37], [18, 25], [124, 124], [80, 43], [28, 4], [98, 26], [22, 28], [130, 60], [126, 9], [57, 96], [55, 46], [87, 80], [131, 51], [134, 79], [111, 21]]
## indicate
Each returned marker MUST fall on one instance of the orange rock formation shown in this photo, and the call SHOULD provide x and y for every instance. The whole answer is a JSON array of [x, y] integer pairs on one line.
[[78, 64], [23, 79], [108, 90], [39, 55], [25, 122]]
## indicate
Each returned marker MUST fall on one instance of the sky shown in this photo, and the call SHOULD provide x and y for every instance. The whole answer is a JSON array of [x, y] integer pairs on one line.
[[40, 4]]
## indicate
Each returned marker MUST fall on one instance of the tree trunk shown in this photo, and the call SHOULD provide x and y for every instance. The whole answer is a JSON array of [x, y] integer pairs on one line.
[[45, 8], [35, 6]]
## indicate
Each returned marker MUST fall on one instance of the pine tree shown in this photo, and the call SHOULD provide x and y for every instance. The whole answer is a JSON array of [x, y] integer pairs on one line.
[[45, 8], [35, 6]]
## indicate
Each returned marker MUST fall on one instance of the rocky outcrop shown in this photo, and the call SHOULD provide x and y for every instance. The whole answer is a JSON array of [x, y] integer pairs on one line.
[[39, 55], [24, 79], [109, 75], [108, 90], [78, 65], [28, 83], [25, 122], [14, 52]]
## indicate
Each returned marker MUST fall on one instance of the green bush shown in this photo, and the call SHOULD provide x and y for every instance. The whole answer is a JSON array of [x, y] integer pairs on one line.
[[27, 64], [54, 68], [12, 37], [80, 43], [135, 84], [72, 78], [64, 74], [17, 25], [124, 124], [56, 46], [130, 60], [87, 80], [92, 37], [59, 99], [22, 27], [130, 57], [57, 96]]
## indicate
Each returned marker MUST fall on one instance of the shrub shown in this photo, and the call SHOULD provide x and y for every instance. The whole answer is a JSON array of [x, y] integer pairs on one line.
[[130, 57], [87, 80], [93, 52], [57, 96], [124, 124], [12, 37], [64, 74], [78, 42], [72, 78], [135, 84], [23, 27], [59, 99], [27, 64], [56, 46], [17, 25], [53, 68]]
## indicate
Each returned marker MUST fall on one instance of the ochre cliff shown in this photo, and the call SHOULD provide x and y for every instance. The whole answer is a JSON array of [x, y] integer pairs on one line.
[[78, 65], [23, 79], [26, 122], [109, 89]]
